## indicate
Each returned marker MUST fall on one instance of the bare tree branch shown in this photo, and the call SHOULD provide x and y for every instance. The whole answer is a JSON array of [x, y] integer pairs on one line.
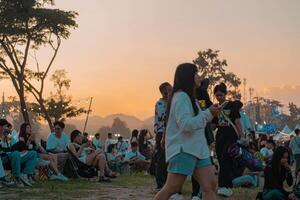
[[50, 64], [13, 51], [10, 56]]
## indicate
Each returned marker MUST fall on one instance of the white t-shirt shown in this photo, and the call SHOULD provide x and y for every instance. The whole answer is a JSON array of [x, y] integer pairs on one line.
[[266, 152], [58, 144]]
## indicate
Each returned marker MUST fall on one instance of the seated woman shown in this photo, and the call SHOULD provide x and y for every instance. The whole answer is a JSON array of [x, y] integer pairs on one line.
[[87, 154], [26, 136], [276, 173]]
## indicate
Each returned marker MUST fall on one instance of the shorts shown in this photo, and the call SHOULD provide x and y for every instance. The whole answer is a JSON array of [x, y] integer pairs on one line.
[[185, 164]]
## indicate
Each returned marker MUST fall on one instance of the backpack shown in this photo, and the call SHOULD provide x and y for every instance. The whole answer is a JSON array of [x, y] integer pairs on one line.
[[245, 158], [241, 153]]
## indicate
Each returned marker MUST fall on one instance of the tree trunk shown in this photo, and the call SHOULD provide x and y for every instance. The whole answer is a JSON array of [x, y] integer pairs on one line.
[[46, 114], [23, 106]]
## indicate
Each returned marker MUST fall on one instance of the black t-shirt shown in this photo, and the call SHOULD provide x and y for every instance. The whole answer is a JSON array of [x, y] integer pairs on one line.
[[231, 111]]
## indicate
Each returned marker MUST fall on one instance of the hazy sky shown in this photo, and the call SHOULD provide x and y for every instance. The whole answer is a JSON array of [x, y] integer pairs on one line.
[[123, 49]]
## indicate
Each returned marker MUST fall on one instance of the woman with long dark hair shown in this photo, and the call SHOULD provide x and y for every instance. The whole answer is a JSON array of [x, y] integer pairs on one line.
[[26, 136], [144, 144], [276, 173], [229, 131], [88, 155], [186, 148]]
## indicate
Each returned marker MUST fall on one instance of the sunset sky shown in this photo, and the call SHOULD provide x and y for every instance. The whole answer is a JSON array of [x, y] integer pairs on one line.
[[123, 49]]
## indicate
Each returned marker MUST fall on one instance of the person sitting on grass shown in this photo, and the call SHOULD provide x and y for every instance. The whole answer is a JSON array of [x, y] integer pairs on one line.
[[57, 143], [26, 136], [87, 154], [275, 174], [4, 181], [22, 163], [135, 158], [267, 151]]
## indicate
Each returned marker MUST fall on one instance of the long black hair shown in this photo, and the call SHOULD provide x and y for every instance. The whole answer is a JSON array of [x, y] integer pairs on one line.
[[184, 80], [22, 132], [276, 160]]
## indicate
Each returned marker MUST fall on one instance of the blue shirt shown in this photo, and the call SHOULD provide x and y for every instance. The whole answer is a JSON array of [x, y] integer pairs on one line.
[[57, 144]]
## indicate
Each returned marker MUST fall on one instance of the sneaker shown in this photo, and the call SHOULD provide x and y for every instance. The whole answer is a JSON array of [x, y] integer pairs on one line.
[[225, 192], [31, 180], [53, 177], [24, 179], [4, 181], [104, 179], [196, 198], [62, 177], [18, 182], [176, 197]]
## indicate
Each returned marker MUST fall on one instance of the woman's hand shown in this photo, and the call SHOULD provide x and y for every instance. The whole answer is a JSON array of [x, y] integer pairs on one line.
[[214, 110]]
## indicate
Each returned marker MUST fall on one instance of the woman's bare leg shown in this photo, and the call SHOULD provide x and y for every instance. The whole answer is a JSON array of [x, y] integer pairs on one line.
[[173, 185], [53, 165], [207, 179]]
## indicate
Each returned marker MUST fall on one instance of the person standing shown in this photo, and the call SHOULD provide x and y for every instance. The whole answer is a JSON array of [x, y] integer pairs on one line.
[[108, 141], [159, 128], [229, 132], [295, 146], [187, 152], [96, 141], [204, 103]]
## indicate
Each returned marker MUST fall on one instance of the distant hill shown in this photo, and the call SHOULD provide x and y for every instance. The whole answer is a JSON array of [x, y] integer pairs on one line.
[[95, 122]]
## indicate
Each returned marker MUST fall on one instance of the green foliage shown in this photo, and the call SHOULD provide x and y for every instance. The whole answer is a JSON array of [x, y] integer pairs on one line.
[[212, 67], [25, 26], [23, 20], [59, 106]]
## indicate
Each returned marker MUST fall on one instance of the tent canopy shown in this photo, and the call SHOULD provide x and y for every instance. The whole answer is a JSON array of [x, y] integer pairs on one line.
[[286, 130]]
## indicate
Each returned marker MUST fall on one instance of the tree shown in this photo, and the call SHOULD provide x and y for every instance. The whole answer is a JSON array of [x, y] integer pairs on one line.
[[25, 26], [213, 68], [119, 126], [59, 106], [12, 108]]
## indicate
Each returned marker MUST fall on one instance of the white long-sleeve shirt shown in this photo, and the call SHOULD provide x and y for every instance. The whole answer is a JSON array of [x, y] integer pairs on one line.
[[185, 131], [160, 115]]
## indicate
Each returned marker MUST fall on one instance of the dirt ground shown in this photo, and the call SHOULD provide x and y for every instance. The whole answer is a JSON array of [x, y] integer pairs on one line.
[[134, 187]]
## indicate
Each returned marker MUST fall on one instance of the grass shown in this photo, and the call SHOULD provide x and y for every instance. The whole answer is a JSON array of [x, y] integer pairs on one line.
[[135, 186]]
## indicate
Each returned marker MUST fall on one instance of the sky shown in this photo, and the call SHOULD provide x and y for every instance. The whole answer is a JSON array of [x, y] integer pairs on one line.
[[123, 49]]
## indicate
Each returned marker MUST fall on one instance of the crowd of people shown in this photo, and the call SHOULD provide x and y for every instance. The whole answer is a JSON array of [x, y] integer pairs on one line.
[[68, 155], [193, 137], [210, 143]]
